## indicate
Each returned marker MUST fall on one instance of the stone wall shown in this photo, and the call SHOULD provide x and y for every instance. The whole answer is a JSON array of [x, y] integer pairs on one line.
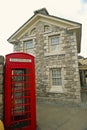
[[66, 58], [1, 85]]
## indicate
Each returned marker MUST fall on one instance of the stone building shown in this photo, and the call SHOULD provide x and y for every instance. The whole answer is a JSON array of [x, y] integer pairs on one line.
[[83, 77], [1, 85], [55, 43], [83, 72]]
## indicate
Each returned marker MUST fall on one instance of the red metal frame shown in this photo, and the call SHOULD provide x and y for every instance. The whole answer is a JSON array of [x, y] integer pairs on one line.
[[19, 92]]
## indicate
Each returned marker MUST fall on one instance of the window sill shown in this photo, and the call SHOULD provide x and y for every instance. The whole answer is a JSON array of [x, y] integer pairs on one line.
[[57, 89], [54, 53]]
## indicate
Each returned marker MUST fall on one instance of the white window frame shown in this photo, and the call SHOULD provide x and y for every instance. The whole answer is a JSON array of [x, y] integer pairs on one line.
[[54, 42], [28, 49], [55, 88]]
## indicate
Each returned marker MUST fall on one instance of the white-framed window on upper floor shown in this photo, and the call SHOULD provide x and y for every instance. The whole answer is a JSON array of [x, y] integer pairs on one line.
[[54, 42], [56, 80], [28, 45]]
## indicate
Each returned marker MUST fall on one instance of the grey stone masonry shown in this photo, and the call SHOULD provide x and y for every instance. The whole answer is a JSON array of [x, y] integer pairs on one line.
[[1, 85], [1, 73], [65, 58]]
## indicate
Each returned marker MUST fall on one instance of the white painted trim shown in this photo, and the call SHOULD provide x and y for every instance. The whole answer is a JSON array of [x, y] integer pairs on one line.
[[56, 89], [47, 18]]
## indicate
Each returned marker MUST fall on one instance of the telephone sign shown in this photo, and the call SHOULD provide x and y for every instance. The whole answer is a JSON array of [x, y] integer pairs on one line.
[[19, 92]]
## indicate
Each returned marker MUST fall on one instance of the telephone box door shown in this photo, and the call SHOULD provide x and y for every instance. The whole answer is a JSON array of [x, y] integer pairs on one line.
[[19, 94]]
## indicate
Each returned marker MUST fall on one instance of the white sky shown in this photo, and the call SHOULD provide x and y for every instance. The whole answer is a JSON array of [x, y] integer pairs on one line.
[[14, 13]]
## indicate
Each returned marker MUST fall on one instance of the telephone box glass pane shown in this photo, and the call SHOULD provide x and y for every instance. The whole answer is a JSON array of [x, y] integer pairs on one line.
[[20, 96]]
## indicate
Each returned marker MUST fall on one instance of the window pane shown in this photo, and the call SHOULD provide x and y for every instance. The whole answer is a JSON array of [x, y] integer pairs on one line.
[[56, 73], [29, 44], [54, 43], [56, 77], [56, 82]]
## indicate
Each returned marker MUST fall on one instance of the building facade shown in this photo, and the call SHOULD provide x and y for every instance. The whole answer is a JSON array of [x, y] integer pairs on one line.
[[83, 77], [83, 72], [1, 85], [55, 43]]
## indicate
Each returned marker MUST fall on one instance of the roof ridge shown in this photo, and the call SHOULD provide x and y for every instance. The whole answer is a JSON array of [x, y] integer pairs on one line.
[[41, 11]]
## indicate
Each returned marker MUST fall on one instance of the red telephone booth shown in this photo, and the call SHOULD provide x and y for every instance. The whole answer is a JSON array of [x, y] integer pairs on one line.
[[19, 92]]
